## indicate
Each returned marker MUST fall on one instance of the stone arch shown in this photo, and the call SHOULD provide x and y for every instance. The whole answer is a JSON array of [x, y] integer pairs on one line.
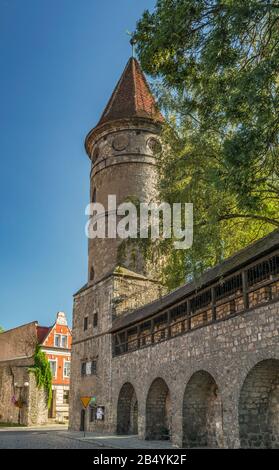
[[158, 412], [127, 410], [258, 410], [202, 412]]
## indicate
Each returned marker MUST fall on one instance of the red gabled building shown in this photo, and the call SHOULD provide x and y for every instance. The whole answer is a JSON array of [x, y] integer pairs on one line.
[[56, 342]]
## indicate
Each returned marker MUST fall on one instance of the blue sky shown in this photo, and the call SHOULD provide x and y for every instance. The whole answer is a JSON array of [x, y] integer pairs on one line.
[[60, 60]]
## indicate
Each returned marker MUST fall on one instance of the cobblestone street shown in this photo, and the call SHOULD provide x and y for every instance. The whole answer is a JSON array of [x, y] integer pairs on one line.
[[57, 438]]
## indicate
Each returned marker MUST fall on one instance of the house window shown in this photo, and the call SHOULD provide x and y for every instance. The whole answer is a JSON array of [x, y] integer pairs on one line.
[[66, 397], [64, 342], [52, 364], [83, 368], [85, 323], [67, 369], [57, 341], [95, 319]]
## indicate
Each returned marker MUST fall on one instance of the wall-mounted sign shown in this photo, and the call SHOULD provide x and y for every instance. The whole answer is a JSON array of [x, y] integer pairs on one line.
[[100, 413]]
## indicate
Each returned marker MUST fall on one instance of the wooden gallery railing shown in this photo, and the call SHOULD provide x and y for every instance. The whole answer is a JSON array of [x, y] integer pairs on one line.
[[256, 284]]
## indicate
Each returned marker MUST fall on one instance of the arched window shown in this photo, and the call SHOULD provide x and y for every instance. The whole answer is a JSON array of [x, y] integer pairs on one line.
[[92, 273]]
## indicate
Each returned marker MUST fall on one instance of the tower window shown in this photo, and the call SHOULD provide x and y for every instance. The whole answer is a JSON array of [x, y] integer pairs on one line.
[[83, 368], [92, 273], [95, 319], [94, 367], [94, 195], [85, 323], [154, 145]]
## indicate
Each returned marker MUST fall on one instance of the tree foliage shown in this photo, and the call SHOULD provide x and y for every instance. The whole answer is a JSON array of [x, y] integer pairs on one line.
[[216, 65], [42, 372]]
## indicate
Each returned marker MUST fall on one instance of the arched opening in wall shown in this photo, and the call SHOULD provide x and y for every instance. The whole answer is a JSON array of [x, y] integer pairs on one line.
[[202, 412], [158, 411], [127, 410], [258, 410]]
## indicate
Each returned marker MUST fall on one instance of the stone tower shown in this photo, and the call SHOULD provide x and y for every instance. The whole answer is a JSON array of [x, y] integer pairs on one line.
[[122, 150]]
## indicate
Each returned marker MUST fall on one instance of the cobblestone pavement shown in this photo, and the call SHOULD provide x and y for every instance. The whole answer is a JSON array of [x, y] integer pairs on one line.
[[22, 438], [42, 439], [119, 442]]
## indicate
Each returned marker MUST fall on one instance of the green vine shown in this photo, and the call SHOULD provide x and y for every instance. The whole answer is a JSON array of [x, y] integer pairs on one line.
[[42, 372]]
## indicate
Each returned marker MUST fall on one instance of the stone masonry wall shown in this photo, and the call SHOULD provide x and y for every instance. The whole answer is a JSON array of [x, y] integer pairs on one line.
[[91, 345], [132, 292], [13, 376], [227, 350], [94, 344], [37, 403]]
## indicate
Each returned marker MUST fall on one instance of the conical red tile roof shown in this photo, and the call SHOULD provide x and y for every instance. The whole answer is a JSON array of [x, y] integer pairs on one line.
[[132, 97]]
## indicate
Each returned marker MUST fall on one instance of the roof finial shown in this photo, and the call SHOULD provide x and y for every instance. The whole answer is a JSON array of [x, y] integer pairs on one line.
[[132, 42]]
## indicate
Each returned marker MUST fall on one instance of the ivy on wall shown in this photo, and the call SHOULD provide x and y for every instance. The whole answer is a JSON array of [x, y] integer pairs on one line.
[[42, 372]]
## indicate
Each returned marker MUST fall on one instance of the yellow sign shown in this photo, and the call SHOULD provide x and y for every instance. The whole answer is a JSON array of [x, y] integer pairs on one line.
[[85, 401]]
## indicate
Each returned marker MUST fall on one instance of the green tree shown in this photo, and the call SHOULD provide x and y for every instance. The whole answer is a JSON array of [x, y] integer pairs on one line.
[[216, 65], [1, 329]]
